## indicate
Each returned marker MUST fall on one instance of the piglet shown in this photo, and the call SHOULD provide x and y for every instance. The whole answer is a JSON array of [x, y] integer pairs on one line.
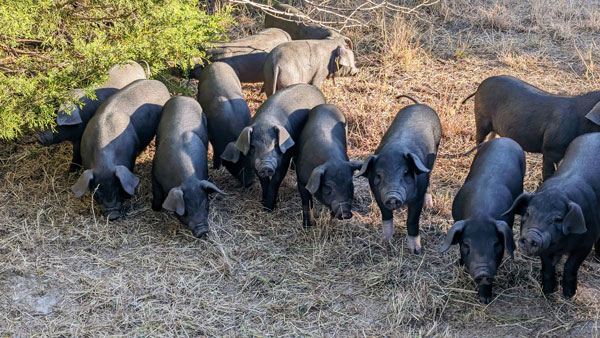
[[179, 168], [322, 165], [562, 217], [399, 170], [119, 131], [481, 230], [268, 142]]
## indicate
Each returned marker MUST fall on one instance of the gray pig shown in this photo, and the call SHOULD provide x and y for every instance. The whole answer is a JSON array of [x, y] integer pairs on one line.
[[539, 121], [70, 127], [399, 170], [221, 97], [179, 168], [481, 230], [247, 55], [267, 142], [562, 217], [121, 128], [293, 22], [322, 165], [306, 61]]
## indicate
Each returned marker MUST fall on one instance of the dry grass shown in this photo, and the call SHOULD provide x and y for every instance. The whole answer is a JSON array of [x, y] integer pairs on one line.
[[65, 270]]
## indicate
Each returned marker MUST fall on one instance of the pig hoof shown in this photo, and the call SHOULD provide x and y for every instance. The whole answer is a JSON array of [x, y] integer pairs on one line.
[[308, 223], [388, 230], [200, 231], [428, 204], [414, 244]]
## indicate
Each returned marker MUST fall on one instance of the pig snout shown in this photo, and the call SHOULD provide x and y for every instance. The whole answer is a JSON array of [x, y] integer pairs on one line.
[[265, 169], [393, 200], [200, 230], [533, 242], [45, 137], [483, 276], [112, 212], [342, 211]]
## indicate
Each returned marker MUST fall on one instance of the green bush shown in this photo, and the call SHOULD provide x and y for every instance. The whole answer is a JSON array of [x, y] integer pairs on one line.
[[50, 46]]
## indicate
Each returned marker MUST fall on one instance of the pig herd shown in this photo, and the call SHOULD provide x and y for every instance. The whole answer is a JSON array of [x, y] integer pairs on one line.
[[295, 124]]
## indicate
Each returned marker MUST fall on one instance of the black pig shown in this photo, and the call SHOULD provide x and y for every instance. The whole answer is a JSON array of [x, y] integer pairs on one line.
[[539, 121], [483, 233], [119, 130], [399, 170], [227, 113], [267, 142], [322, 165], [179, 168], [562, 216]]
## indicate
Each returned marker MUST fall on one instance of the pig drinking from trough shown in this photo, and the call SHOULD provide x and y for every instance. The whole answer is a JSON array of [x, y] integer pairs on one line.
[[322, 165], [306, 61], [563, 216], [495, 180], [269, 139], [71, 119], [121, 128], [399, 170], [179, 168], [539, 121], [220, 95], [247, 55]]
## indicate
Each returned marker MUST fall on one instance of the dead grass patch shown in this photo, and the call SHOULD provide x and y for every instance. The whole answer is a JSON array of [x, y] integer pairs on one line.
[[262, 274]]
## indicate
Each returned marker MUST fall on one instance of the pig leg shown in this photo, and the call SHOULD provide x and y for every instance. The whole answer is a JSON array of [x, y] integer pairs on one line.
[[387, 221], [412, 225], [270, 197], [551, 157], [76, 161], [483, 128], [308, 217], [569, 282], [264, 184], [158, 196], [548, 274]]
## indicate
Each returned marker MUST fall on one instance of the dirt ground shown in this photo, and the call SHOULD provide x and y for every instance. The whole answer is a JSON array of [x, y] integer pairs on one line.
[[66, 270]]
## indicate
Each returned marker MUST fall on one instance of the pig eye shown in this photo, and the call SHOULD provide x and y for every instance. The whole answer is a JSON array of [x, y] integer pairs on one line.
[[465, 248], [377, 179], [557, 219], [405, 172], [326, 190]]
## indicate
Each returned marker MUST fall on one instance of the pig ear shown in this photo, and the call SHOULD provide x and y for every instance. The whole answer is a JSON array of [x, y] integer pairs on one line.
[[314, 182], [174, 201], [574, 222], [284, 138], [243, 141], [417, 163], [519, 205], [594, 114], [507, 235], [344, 58], [452, 235], [210, 187], [365, 169], [354, 165], [63, 118], [127, 179], [231, 153], [83, 183]]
